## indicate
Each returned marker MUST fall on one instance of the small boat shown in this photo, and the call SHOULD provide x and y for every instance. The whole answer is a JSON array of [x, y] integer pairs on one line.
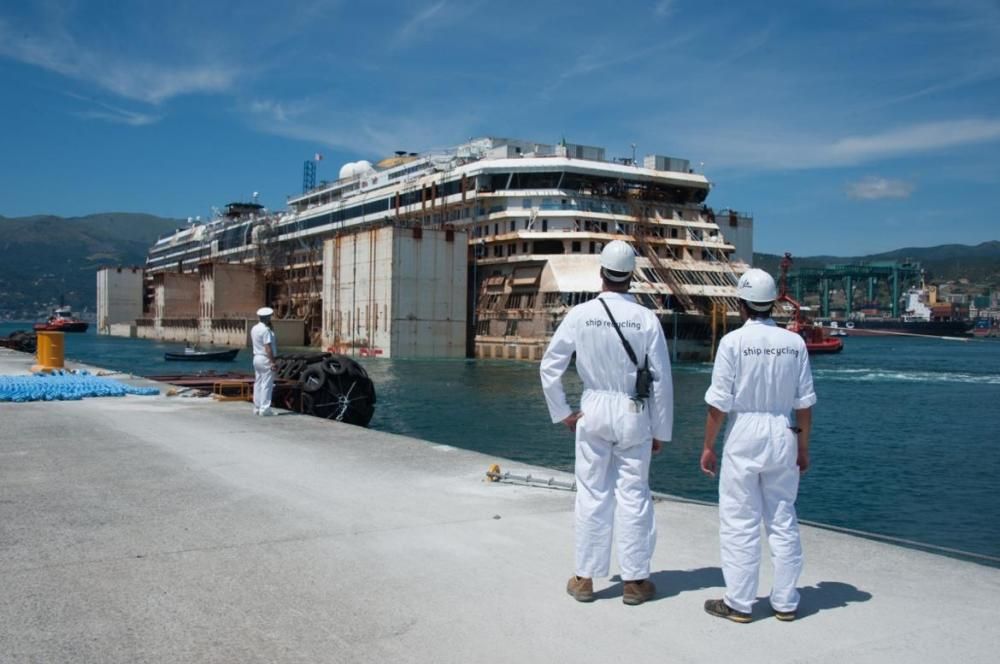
[[816, 337], [62, 320], [817, 342], [194, 355]]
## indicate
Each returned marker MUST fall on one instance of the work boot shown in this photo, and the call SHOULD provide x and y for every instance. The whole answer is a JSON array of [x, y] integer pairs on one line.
[[784, 616], [637, 592], [580, 588], [719, 608]]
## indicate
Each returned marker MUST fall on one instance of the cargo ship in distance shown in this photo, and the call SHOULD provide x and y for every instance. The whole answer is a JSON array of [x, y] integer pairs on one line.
[[534, 217], [917, 319]]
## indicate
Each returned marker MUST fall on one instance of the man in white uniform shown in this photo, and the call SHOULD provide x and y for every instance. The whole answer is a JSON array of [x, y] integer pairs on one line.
[[265, 347], [617, 426], [761, 374]]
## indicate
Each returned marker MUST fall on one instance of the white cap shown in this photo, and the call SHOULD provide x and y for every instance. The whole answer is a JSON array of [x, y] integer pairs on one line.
[[265, 312], [618, 256], [757, 287]]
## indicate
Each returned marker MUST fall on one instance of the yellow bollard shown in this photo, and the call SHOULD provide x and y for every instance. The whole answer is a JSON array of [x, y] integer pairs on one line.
[[50, 351]]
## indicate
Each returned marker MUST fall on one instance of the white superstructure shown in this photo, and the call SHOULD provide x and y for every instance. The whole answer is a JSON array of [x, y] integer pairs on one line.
[[536, 216]]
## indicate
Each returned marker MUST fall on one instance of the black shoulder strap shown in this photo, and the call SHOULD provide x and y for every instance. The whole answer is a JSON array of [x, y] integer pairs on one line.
[[614, 324]]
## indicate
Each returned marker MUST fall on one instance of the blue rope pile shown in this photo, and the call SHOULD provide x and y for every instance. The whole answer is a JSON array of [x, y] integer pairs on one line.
[[64, 386]]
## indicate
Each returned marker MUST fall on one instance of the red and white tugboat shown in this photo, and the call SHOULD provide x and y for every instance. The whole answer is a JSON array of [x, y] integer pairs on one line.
[[62, 320], [816, 337]]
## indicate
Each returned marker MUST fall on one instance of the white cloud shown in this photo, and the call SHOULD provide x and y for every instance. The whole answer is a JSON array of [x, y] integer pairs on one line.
[[873, 187], [598, 58], [124, 117], [281, 112], [115, 114], [778, 149], [417, 22], [129, 77], [914, 138], [664, 8], [365, 132]]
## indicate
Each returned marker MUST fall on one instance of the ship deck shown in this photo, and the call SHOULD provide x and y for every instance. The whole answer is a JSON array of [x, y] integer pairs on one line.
[[172, 529]]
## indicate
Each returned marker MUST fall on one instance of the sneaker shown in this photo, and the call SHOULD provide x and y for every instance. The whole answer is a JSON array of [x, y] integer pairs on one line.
[[637, 592], [581, 589], [718, 607], [784, 616], [266, 412]]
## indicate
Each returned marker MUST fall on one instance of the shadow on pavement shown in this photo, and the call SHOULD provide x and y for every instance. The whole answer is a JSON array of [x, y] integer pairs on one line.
[[813, 599], [670, 583], [829, 595]]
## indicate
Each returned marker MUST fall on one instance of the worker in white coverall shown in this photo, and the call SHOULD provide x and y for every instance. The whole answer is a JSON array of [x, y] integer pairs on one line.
[[265, 348], [761, 375], [616, 429]]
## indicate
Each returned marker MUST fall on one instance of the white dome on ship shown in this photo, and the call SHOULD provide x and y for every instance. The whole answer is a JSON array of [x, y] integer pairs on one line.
[[355, 168], [347, 170]]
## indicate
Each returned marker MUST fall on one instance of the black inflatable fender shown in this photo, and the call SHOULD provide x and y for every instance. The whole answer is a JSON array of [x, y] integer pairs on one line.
[[313, 379], [336, 365]]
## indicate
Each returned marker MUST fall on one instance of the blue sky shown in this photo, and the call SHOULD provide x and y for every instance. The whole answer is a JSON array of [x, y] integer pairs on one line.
[[845, 127]]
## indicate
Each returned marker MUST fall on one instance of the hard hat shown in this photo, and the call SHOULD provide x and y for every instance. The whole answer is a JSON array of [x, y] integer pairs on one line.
[[757, 288], [618, 256], [265, 312]]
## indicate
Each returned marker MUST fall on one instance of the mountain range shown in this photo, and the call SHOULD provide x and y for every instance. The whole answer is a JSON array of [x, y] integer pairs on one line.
[[45, 259]]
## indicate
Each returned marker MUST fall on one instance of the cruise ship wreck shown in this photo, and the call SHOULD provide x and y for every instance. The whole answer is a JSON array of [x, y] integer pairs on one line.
[[478, 251]]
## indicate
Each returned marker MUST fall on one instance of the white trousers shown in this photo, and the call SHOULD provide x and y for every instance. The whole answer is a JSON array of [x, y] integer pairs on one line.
[[612, 494], [263, 382], [759, 481]]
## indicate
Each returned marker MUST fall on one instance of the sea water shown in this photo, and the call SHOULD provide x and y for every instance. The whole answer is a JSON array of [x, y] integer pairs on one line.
[[906, 433]]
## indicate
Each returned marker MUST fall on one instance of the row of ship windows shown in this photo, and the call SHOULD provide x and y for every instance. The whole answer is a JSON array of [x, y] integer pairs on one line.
[[597, 205], [424, 194], [240, 235], [451, 188], [598, 186], [587, 225], [549, 247]]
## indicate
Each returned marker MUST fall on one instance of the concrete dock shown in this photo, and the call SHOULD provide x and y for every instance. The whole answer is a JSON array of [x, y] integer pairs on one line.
[[172, 529]]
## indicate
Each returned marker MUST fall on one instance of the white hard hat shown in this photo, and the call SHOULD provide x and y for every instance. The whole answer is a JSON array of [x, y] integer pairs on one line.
[[757, 287], [265, 312], [618, 256]]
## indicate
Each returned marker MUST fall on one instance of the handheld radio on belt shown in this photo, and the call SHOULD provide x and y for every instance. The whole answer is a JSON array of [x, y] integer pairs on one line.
[[643, 376]]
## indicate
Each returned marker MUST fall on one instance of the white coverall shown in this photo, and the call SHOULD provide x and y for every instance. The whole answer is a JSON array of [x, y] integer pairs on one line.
[[614, 435], [261, 336], [761, 374]]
